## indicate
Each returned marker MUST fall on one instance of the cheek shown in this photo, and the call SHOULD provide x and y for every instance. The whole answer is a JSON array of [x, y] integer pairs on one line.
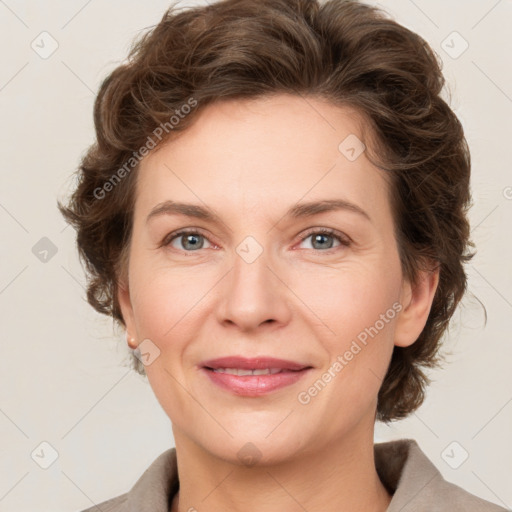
[[361, 312], [165, 299], [358, 308], [348, 300], [165, 309]]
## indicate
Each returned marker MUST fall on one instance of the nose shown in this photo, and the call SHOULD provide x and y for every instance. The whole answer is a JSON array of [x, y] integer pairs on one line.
[[254, 295]]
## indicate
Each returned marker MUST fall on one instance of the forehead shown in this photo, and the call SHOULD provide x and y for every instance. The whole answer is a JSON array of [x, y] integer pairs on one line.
[[263, 153]]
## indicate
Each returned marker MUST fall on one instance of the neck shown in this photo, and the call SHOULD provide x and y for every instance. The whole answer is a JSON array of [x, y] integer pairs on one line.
[[338, 477]]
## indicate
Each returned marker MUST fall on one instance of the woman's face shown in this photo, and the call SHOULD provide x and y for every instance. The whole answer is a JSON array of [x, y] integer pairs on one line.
[[257, 279]]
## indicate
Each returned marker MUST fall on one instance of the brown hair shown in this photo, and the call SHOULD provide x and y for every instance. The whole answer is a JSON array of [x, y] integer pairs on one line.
[[343, 51]]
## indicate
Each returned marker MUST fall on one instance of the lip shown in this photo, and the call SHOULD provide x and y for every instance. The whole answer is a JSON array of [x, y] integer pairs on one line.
[[257, 363], [254, 385]]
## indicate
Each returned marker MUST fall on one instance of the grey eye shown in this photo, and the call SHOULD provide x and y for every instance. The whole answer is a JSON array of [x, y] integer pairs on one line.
[[187, 241]]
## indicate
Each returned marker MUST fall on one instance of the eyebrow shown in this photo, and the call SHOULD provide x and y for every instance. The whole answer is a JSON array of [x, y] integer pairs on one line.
[[298, 211]]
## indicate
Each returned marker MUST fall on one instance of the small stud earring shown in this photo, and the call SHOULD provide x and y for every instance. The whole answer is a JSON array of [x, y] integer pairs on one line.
[[131, 342]]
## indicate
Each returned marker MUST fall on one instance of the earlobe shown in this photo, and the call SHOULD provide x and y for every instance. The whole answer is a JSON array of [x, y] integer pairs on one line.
[[124, 299], [416, 302]]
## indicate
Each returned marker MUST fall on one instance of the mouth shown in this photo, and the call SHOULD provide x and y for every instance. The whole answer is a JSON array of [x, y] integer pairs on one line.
[[253, 377], [242, 372], [253, 363]]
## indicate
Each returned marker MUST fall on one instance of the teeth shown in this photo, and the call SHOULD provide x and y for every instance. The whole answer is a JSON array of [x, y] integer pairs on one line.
[[242, 372]]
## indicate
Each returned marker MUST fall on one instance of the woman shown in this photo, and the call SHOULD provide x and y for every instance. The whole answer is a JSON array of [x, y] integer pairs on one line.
[[236, 141]]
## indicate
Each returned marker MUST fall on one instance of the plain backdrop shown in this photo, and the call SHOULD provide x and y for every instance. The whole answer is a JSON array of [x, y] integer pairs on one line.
[[64, 379]]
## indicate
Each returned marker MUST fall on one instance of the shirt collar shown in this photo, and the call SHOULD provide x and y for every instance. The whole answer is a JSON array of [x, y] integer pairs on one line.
[[401, 465]]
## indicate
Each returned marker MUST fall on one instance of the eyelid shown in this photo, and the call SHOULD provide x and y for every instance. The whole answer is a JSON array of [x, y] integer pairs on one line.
[[183, 231], [344, 240], [326, 231]]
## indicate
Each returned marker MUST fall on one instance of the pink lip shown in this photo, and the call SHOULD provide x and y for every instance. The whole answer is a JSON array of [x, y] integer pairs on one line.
[[254, 385]]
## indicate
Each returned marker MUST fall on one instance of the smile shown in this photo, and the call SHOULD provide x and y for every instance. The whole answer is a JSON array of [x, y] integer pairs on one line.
[[243, 372]]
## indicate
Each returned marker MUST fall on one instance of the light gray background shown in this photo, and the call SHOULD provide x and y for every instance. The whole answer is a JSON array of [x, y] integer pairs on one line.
[[62, 379]]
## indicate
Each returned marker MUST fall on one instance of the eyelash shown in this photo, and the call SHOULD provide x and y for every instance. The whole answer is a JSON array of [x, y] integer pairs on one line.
[[343, 239]]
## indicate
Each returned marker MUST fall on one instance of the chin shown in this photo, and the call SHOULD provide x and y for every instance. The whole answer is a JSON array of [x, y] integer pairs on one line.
[[262, 446]]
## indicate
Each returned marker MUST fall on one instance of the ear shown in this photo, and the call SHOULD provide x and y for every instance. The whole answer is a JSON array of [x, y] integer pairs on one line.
[[124, 299], [416, 301]]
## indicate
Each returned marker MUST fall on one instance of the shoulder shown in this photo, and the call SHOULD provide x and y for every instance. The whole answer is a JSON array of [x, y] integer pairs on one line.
[[460, 500], [417, 485], [112, 505], [152, 492]]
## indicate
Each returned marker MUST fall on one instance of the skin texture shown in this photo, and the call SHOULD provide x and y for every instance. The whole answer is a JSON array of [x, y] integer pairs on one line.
[[250, 161]]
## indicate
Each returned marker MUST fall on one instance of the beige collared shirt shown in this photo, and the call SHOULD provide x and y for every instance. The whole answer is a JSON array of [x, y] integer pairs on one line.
[[415, 483]]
